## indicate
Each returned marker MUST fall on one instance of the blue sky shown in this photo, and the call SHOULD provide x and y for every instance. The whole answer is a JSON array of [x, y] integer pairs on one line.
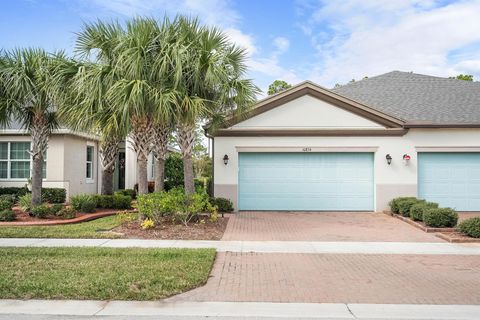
[[328, 42]]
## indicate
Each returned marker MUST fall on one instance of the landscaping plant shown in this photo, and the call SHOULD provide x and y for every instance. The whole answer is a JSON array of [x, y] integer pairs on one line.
[[470, 227], [440, 217], [25, 202], [405, 205], [127, 192], [7, 215], [222, 204], [417, 210], [66, 213], [41, 211], [54, 195], [394, 203], [5, 205], [78, 201]]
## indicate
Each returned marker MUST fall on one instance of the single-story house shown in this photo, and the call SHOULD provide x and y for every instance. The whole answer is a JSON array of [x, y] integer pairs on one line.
[[355, 147], [72, 161]]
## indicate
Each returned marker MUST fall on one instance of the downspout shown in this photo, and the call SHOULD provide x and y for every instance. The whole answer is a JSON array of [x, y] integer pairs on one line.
[[205, 131]]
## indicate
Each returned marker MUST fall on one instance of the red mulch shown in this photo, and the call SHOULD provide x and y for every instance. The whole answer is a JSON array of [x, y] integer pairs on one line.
[[167, 230], [22, 216]]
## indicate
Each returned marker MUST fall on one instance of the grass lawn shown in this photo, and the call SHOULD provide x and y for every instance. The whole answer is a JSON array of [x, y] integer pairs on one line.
[[101, 273], [91, 229]]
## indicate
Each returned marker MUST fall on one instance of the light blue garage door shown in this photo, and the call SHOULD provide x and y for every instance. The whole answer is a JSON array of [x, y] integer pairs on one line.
[[451, 179], [306, 181]]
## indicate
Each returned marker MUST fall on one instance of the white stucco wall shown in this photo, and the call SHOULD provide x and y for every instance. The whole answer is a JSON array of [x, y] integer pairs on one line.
[[306, 112]]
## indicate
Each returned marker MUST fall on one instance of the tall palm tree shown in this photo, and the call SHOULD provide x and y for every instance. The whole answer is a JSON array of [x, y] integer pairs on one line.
[[28, 84], [209, 83]]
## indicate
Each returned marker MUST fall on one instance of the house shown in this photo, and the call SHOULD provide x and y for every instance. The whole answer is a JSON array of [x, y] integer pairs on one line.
[[355, 147], [72, 161]]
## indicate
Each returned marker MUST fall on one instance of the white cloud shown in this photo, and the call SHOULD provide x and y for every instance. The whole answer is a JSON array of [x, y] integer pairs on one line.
[[369, 37], [243, 40], [281, 43]]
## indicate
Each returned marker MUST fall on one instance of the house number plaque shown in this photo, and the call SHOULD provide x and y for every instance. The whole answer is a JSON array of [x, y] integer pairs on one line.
[[307, 149]]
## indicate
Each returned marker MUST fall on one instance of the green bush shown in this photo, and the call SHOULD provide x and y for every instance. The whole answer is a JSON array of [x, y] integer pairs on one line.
[[395, 202], [53, 195], [8, 197], [54, 208], [5, 205], [66, 213], [127, 192], [17, 192], [222, 204], [88, 206], [116, 201], [417, 210], [405, 205], [7, 215], [78, 200], [104, 201], [173, 171], [41, 211], [471, 227], [25, 202], [440, 217]]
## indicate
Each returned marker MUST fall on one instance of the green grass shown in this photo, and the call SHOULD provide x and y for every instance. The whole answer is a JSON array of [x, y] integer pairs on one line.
[[91, 229], [101, 273]]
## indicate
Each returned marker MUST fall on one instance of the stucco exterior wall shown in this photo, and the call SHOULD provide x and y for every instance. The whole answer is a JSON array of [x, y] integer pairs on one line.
[[390, 181]]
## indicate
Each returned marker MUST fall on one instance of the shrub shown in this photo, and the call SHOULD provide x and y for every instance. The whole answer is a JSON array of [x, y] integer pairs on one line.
[[417, 210], [53, 195], [395, 202], [8, 197], [41, 211], [222, 204], [104, 201], [5, 205], [156, 205], [55, 208], [470, 227], [173, 171], [440, 217], [148, 224], [88, 206], [7, 215], [116, 201], [15, 191], [66, 213], [405, 205], [78, 200], [127, 192], [25, 202]]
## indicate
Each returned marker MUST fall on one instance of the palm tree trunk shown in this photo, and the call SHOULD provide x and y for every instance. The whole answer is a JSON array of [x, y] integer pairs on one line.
[[108, 154], [142, 139], [160, 149], [40, 133], [186, 139]]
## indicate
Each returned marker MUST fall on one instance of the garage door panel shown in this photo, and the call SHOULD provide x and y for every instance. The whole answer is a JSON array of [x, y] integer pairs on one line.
[[451, 179], [306, 181]]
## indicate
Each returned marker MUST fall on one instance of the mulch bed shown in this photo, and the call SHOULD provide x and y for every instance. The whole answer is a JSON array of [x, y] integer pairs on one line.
[[457, 237], [419, 224], [168, 230]]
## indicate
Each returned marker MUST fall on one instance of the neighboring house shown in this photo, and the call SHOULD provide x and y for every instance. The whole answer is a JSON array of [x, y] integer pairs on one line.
[[72, 162], [309, 148]]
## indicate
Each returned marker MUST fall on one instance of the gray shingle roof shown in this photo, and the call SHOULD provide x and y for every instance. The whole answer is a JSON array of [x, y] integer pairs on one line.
[[416, 98]]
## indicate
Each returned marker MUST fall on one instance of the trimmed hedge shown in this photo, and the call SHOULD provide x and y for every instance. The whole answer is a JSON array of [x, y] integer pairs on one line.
[[16, 191], [7, 215], [54, 195], [405, 205], [127, 192], [78, 200], [440, 217], [471, 227], [222, 204], [396, 201], [417, 210], [5, 205], [116, 201]]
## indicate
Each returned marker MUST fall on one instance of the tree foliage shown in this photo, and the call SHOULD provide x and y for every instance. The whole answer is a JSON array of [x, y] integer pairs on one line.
[[465, 77], [278, 86]]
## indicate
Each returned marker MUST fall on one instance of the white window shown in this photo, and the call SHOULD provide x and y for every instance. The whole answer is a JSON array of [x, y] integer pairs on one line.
[[89, 173], [15, 161]]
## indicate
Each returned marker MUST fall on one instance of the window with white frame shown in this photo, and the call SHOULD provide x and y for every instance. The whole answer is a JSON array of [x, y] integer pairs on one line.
[[15, 160], [89, 173]]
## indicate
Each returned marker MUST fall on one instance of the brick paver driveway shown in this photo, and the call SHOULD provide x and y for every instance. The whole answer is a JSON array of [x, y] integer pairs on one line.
[[322, 226], [341, 278]]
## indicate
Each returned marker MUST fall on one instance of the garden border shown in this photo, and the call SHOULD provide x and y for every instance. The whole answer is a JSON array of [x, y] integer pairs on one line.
[[419, 225]]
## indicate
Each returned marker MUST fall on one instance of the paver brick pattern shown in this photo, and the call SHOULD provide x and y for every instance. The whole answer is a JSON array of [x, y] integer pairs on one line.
[[322, 226], [341, 278]]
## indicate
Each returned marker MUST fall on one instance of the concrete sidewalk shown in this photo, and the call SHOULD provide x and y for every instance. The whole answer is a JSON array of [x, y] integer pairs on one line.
[[238, 309], [259, 246]]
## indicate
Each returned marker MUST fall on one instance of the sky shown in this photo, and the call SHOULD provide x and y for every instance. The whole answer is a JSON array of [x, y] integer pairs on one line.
[[328, 42]]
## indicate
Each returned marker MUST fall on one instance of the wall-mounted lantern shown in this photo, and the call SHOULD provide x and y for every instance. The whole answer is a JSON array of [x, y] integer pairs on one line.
[[225, 159], [406, 159], [389, 158]]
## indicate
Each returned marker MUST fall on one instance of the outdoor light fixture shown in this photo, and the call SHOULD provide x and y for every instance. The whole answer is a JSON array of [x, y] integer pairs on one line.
[[406, 159], [389, 158], [225, 159]]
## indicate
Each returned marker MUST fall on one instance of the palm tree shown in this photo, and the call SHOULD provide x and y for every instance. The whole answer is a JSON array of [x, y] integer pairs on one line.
[[28, 87], [209, 82]]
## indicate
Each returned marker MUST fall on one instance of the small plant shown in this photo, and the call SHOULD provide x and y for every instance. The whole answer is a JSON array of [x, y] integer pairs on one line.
[[88, 206], [41, 211], [8, 197], [122, 201], [5, 205], [54, 208], [471, 227], [440, 217], [25, 202], [7, 215], [66, 213], [127, 192], [222, 204], [78, 200], [395, 202], [148, 224], [54, 195], [417, 210]]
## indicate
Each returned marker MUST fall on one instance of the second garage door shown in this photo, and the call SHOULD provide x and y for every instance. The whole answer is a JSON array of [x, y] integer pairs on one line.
[[306, 181]]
